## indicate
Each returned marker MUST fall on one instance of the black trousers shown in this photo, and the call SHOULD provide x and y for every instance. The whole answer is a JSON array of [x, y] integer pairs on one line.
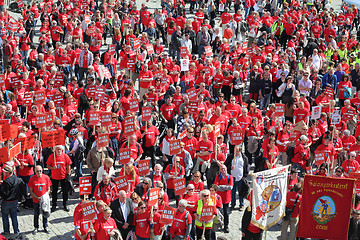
[[252, 236], [199, 233], [150, 152], [55, 188], [160, 29], [226, 210]]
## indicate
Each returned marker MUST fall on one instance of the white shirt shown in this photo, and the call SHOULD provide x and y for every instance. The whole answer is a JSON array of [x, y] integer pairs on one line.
[[238, 171], [306, 84], [124, 210]]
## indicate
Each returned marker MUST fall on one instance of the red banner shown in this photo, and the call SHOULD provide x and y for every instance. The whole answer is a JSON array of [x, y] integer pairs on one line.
[[136, 43], [103, 140], [356, 176], [237, 137], [326, 204], [112, 49], [59, 100], [192, 94], [124, 155], [4, 155], [129, 129], [59, 79], [208, 51], [146, 114], [106, 119], [144, 167], [94, 118], [40, 120], [153, 196], [134, 105], [319, 158], [39, 97], [53, 138], [207, 213], [183, 52], [167, 216], [121, 183], [85, 185], [89, 211], [28, 99], [279, 109], [15, 150], [179, 186], [174, 146]]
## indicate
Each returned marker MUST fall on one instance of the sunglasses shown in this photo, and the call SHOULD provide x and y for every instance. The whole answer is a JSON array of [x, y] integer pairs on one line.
[[322, 169], [145, 183], [142, 207], [206, 195], [196, 176], [191, 189], [39, 171]]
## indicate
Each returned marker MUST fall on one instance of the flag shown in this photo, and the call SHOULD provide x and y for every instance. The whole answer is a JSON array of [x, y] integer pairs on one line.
[[326, 205], [269, 196]]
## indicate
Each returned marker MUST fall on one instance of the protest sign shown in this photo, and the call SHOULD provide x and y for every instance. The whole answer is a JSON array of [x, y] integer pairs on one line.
[[167, 216], [89, 211], [207, 213], [153, 196], [121, 183], [316, 111], [237, 137], [105, 118], [85, 185], [4, 155], [15, 150], [94, 117], [174, 146], [146, 114], [124, 155], [39, 97], [144, 167], [179, 186], [279, 109], [134, 105], [103, 140]]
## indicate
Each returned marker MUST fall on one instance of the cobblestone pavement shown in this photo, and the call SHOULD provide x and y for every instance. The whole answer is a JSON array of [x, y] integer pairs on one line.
[[61, 222]]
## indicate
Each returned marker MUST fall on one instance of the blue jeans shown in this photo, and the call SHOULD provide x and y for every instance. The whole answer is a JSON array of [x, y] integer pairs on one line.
[[201, 49], [238, 185], [24, 54], [115, 145], [36, 217], [26, 181], [78, 167], [264, 102], [9, 208]]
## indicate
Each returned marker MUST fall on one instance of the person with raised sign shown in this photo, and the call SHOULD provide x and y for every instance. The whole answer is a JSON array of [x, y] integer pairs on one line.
[[204, 149], [350, 165], [157, 176], [131, 174], [123, 213], [328, 148], [150, 135], [106, 190], [39, 185], [182, 224], [173, 171], [135, 147], [205, 201], [60, 165]]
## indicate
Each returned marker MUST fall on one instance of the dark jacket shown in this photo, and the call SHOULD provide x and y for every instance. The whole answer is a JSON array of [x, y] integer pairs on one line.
[[117, 213], [266, 87], [255, 82], [9, 188], [139, 189], [246, 219], [228, 164], [354, 230]]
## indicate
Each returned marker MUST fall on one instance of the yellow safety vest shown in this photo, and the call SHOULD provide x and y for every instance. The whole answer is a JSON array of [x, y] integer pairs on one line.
[[342, 53], [199, 210]]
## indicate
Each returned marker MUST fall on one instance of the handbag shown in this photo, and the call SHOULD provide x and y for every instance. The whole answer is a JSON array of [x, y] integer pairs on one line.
[[289, 211]]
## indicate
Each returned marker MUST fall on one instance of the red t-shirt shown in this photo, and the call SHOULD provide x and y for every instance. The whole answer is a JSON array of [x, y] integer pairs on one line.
[[150, 133], [142, 224], [178, 226], [179, 170], [103, 228], [224, 180], [39, 185], [62, 162], [26, 171], [290, 201], [205, 146]]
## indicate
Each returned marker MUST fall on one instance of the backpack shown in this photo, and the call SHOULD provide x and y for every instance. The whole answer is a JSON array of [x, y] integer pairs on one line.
[[347, 92], [20, 190], [102, 57], [228, 177], [84, 100]]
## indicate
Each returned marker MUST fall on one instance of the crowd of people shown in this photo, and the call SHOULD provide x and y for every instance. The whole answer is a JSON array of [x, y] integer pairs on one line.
[[244, 85]]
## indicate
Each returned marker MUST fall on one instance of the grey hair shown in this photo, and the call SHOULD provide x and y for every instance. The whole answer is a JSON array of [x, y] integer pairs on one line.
[[352, 153], [205, 192], [148, 180], [105, 174], [347, 132], [347, 101], [303, 137], [183, 202], [158, 165], [60, 146]]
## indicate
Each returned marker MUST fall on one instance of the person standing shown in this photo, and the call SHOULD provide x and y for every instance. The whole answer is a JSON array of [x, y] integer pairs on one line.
[[39, 185], [106, 190], [85, 60], [123, 213], [293, 200], [181, 226], [60, 165], [226, 183], [9, 194], [239, 170]]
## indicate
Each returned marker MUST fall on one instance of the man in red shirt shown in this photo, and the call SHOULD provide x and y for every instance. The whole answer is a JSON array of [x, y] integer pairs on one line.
[[204, 149], [150, 134], [190, 142], [293, 200], [181, 226], [146, 78], [225, 182], [167, 112], [60, 165], [55, 33], [39, 185], [106, 190], [301, 114], [218, 117], [329, 31], [328, 148], [134, 146]]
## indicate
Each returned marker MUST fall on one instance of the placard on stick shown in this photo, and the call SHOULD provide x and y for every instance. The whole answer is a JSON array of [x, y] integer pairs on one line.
[[103, 140], [319, 158], [167, 216], [153, 196], [134, 105], [85, 185], [207, 213], [121, 183], [174, 146], [89, 211], [146, 113], [180, 186], [144, 167], [106, 119], [124, 155], [15, 150], [279, 109], [237, 137], [4, 155]]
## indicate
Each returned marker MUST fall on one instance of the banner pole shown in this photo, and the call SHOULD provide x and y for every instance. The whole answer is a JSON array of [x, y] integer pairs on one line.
[[265, 234]]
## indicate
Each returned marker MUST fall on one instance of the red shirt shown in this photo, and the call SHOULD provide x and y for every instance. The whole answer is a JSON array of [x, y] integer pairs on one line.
[[39, 185], [103, 228], [224, 180], [205, 146], [62, 162], [190, 145], [178, 226], [179, 170], [290, 201], [136, 149], [301, 114], [150, 133], [168, 111], [142, 224], [198, 187], [350, 166], [26, 171], [107, 193]]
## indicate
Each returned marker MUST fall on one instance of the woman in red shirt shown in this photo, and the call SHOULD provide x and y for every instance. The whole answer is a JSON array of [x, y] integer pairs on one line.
[[343, 86], [197, 182], [301, 155], [104, 226], [271, 154], [26, 166], [141, 223]]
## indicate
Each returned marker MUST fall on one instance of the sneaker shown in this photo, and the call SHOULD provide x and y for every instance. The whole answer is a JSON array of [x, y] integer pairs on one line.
[[232, 208], [241, 208], [226, 230], [5, 233], [66, 208], [36, 230], [46, 230]]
